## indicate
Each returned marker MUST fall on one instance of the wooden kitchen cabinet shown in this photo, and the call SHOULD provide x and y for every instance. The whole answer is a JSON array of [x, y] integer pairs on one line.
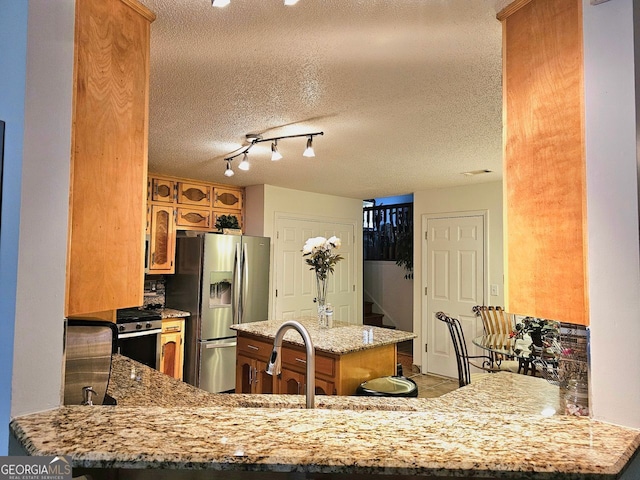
[[193, 218], [194, 194], [228, 198], [544, 160], [105, 260], [162, 190], [172, 348], [162, 242], [251, 376], [191, 206], [292, 382], [251, 364]]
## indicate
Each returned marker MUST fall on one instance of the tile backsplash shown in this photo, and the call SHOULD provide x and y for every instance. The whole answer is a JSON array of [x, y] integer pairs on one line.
[[154, 291]]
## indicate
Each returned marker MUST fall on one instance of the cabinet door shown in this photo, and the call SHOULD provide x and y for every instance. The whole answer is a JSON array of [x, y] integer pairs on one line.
[[291, 383], [324, 387], [171, 357], [264, 381], [188, 218], [162, 190], [194, 194], [162, 239], [244, 374], [227, 198], [109, 134]]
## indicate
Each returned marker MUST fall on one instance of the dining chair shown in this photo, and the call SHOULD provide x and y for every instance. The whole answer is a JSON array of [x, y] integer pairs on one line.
[[463, 359], [496, 321]]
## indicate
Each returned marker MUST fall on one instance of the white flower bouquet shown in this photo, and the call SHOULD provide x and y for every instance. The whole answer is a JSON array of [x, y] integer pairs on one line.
[[321, 256]]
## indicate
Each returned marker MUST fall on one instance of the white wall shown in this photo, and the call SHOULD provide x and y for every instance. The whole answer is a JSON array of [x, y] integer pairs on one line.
[[37, 363], [275, 200], [484, 196], [392, 294], [612, 212]]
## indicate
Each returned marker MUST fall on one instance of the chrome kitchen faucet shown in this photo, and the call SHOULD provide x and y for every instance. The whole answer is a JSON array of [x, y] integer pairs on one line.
[[274, 362]]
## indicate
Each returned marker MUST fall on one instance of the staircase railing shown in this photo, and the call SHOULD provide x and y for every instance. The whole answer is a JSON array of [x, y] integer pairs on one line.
[[388, 232]]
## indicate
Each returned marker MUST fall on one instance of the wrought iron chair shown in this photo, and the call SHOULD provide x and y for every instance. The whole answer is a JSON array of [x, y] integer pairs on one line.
[[496, 321], [462, 356]]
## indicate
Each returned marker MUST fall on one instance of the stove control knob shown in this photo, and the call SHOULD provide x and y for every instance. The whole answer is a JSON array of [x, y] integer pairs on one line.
[[138, 326], [121, 328], [148, 325]]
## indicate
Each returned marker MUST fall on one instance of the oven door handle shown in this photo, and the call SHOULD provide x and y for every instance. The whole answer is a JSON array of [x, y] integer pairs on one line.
[[140, 333]]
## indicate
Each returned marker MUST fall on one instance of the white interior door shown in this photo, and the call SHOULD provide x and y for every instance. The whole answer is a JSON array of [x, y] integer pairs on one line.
[[454, 282], [295, 282]]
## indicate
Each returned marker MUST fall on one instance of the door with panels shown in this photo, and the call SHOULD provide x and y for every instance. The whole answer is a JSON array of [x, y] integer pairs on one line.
[[454, 281], [294, 281]]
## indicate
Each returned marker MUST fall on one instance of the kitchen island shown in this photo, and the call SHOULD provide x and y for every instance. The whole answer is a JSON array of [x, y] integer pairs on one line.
[[345, 356], [492, 429]]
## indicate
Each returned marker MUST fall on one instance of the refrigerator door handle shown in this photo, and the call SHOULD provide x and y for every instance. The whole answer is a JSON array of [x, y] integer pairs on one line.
[[237, 273], [220, 345], [245, 278]]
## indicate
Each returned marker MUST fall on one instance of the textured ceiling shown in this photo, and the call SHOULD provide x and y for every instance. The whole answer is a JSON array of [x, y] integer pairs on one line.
[[407, 92]]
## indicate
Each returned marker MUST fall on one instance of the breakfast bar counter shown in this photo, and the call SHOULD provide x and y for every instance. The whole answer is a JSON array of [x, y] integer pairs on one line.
[[492, 429]]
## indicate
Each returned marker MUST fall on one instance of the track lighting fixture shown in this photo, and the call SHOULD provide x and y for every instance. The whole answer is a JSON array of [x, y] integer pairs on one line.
[[290, 2], [275, 154]]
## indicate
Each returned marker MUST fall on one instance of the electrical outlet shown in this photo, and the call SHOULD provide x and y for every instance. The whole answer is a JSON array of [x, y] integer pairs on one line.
[[494, 290]]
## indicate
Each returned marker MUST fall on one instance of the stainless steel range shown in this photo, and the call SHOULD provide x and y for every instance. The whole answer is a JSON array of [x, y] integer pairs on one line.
[[139, 335]]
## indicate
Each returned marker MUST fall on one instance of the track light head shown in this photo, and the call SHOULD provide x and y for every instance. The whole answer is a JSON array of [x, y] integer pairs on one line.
[[228, 172], [244, 164], [308, 152], [220, 3], [275, 154], [290, 2]]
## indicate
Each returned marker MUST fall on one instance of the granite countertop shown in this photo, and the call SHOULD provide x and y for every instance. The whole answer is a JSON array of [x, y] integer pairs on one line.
[[341, 339], [490, 429], [172, 313]]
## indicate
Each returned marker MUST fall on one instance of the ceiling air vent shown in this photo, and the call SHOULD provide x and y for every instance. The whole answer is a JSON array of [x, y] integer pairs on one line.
[[476, 172]]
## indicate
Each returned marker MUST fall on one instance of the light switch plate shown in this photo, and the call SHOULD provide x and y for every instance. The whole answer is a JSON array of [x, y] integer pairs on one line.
[[494, 289]]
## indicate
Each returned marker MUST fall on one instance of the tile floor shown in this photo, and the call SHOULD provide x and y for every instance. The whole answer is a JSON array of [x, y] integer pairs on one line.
[[429, 386]]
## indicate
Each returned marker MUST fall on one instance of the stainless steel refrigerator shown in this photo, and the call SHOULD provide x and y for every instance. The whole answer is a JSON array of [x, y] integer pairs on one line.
[[221, 280]]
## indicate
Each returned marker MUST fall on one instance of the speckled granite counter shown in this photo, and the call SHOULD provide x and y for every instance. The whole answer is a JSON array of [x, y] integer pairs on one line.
[[172, 313], [342, 338], [492, 429]]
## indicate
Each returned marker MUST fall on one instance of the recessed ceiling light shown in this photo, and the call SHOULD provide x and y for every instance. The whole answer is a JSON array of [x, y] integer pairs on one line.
[[476, 172]]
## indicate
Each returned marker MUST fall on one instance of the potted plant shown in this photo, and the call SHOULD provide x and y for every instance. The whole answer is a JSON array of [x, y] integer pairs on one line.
[[226, 223]]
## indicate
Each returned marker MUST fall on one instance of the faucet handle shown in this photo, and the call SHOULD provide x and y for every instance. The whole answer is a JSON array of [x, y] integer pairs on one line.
[[87, 393], [273, 367]]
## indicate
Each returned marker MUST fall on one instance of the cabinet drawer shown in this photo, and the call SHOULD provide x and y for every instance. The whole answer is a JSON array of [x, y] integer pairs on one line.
[[255, 348], [194, 194], [172, 326], [190, 217], [297, 359]]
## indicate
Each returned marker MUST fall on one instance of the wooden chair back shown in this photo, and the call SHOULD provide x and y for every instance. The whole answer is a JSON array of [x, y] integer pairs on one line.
[[494, 319]]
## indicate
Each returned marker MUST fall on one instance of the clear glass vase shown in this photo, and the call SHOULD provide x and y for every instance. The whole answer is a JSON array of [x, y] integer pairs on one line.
[[321, 299]]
